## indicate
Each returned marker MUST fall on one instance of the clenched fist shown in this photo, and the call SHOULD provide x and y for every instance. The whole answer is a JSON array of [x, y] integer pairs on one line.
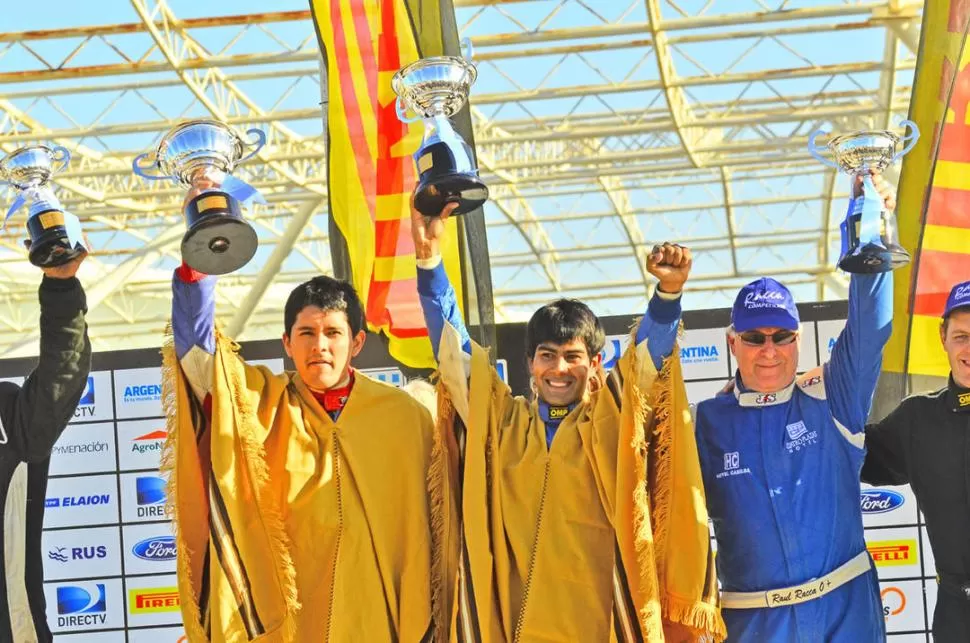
[[670, 263]]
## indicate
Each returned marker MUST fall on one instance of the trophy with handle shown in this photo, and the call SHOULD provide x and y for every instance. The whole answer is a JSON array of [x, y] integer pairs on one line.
[[54, 234], [870, 240], [436, 89], [202, 154]]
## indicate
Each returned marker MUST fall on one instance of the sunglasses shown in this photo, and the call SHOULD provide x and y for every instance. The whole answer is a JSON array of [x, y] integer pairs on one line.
[[778, 338]]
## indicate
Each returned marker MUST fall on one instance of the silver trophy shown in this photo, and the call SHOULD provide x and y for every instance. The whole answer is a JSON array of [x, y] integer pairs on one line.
[[870, 240], [54, 234], [202, 154], [436, 89]]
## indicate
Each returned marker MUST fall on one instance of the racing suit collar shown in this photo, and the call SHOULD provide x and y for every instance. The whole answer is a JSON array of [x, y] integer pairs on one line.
[[957, 397], [758, 400]]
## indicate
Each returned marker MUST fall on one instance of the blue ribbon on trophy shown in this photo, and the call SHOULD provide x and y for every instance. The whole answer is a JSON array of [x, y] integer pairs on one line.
[[870, 242], [435, 89], [55, 236], [202, 154]]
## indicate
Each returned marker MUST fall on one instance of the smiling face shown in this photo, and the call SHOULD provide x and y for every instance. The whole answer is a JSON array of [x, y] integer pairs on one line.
[[321, 345], [768, 367], [562, 371], [955, 334]]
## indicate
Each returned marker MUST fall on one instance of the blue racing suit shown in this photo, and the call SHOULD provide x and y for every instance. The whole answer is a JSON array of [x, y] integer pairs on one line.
[[781, 474]]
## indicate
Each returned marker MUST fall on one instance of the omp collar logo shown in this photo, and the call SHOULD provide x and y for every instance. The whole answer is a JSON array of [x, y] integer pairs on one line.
[[558, 412], [880, 501], [889, 553], [153, 600], [812, 381], [81, 605], [963, 399], [766, 398], [893, 601]]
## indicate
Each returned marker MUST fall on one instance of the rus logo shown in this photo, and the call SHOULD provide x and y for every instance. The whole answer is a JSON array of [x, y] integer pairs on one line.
[[63, 555], [880, 501]]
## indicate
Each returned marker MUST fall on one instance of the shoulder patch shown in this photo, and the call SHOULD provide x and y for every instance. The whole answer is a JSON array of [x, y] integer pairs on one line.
[[812, 383]]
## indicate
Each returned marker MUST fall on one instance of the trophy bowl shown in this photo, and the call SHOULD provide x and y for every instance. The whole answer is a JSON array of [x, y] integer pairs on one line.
[[202, 155], [435, 86], [193, 146], [33, 165], [859, 152]]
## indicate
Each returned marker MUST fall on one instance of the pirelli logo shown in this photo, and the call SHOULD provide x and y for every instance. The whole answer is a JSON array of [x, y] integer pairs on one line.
[[51, 219], [558, 412], [964, 399], [153, 600], [890, 553]]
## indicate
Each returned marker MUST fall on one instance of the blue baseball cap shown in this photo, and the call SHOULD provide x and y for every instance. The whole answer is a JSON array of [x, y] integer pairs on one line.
[[765, 303], [959, 298]]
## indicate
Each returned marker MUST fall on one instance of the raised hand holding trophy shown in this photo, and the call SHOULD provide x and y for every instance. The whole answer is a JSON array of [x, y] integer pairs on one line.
[[870, 241], [55, 235], [436, 88], [201, 155]]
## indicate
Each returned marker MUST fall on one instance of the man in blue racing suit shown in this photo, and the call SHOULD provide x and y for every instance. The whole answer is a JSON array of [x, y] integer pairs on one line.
[[781, 457]]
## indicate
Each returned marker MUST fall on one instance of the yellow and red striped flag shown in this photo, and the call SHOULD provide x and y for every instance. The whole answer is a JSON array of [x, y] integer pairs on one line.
[[371, 172], [933, 206]]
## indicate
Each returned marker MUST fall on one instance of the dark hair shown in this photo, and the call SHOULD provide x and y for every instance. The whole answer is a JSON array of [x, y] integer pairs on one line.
[[562, 321], [328, 294]]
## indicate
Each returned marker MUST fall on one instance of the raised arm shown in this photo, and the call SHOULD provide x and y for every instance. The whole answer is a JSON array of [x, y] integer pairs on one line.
[[851, 373], [670, 264], [34, 417], [193, 326]]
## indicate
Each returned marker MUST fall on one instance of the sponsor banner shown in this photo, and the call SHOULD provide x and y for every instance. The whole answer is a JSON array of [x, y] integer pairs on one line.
[[929, 561], [153, 600], [704, 354], [502, 368], [142, 497], [81, 502], [828, 331], [84, 448], [77, 606], [115, 636], [931, 591], [887, 506], [613, 350], [895, 552], [392, 376], [140, 444], [148, 549], [95, 403], [138, 393], [697, 392], [902, 605], [158, 635], [81, 553], [808, 349]]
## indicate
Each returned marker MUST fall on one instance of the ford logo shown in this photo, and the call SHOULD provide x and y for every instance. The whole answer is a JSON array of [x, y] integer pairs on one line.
[[158, 549], [880, 501]]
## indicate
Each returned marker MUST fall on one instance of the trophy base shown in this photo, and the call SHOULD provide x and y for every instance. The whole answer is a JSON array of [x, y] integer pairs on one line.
[[872, 258], [436, 191], [219, 240], [50, 245]]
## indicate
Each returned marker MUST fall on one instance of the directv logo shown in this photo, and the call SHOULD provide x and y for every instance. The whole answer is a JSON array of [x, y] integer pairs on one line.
[[150, 495], [143, 393], [85, 406], [81, 605]]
